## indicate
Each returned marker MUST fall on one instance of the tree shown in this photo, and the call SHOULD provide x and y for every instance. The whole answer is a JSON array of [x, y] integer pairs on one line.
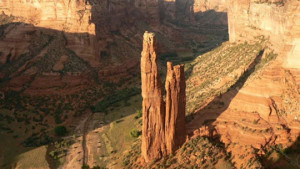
[[60, 130]]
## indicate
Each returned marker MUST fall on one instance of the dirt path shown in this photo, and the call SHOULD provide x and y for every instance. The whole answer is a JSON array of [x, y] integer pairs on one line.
[[77, 154], [84, 133]]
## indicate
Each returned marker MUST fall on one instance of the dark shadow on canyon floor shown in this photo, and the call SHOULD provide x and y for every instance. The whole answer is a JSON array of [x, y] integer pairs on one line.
[[278, 157]]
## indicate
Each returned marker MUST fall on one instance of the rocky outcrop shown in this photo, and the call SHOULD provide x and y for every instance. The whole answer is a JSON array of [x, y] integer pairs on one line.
[[163, 123], [175, 107], [153, 141]]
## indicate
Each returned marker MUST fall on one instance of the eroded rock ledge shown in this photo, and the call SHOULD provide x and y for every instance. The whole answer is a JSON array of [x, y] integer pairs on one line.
[[163, 122]]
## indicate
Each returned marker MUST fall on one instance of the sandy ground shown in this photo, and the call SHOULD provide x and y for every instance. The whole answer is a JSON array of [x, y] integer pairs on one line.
[[75, 156]]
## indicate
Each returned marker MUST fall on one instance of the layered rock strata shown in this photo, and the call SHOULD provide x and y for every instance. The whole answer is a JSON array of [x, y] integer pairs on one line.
[[175, 107], [264, 111], [153, 146], [276, 20], [163, 123]]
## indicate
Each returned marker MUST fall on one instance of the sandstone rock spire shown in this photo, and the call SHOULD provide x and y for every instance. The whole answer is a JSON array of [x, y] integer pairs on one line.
[[153, 146], [163, 124], [175, 107]]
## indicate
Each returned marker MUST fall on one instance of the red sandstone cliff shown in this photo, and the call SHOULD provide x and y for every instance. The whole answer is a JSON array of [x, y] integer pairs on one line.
[[153, 140], [175, 107], [263, 112], [276, 20], [163, 123], [103, 35]]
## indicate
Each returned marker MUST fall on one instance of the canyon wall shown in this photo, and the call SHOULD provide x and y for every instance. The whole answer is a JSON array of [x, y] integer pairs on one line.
[[96, 40], [90, 26], [196, 11], [276, 20], [204, 5], [83, 16], [69, 16], [262, 110], [163, 122]]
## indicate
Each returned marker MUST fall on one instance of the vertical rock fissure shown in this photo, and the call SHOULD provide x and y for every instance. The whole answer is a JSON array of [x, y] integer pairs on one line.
[[163, 121]]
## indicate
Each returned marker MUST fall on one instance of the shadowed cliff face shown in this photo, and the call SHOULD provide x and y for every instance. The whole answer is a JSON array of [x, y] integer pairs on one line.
[[105, 19], [105, 34]]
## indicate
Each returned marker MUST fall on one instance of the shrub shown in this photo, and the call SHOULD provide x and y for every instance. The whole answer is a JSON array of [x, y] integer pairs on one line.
[[85, 166], [60, 130], [114, 98], [139, 114], [135, 133], [98, 167]]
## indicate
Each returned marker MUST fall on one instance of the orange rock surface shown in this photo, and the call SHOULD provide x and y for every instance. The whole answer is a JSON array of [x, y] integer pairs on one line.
[[153, 140], [175, 107], [277, 20], [163, 123], [264, 111]]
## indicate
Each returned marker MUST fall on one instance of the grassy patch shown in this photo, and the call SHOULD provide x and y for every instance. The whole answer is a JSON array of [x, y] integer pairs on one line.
[[35, 158], [116, 136], [114, 98], [215, 72]]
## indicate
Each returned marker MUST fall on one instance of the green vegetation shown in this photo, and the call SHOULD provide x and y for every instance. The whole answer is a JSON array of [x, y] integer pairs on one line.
[[132, 156], [36, 140], [135, 133], [57, 151], [199, 152], [139, 114], [115, 137], [35, 158], [114, 98], [277, 3], [85, 166], [60, 130], [215, 72]]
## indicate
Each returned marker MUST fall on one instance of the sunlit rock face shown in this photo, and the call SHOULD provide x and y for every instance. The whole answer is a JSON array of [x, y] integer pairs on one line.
[[175, 129], [203, 5], [164, 129], [71, 17], [277, 20], [88, 25], [68, 16], [264, 111], [153, 141]]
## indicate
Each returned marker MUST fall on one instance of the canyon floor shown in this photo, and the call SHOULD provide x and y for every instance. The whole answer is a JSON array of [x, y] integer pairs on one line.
[[112, 138]]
